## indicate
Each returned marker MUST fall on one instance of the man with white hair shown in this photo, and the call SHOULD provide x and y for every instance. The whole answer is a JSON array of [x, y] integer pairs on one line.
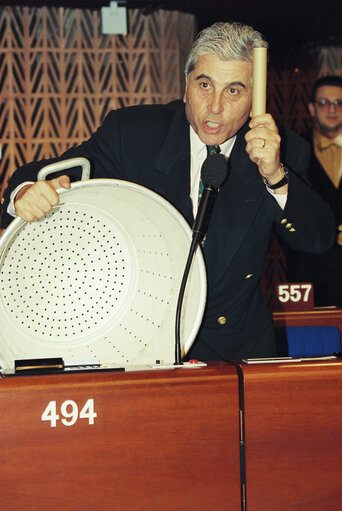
[[163, 147]]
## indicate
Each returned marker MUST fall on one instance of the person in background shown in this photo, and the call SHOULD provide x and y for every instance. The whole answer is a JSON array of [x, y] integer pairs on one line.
[[162, 147], [325, 172]]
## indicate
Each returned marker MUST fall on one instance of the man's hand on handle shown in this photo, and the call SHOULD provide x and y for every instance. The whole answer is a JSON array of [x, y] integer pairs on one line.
[[34, 201]]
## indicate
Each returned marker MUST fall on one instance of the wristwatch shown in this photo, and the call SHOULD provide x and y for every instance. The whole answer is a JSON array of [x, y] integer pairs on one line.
[[284, 180]]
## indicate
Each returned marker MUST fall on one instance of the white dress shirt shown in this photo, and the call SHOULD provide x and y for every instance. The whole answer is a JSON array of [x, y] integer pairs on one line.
[[198, 152]]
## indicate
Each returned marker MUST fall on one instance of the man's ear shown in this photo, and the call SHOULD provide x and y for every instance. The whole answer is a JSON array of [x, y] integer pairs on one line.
[[186, 86], [312, 110]]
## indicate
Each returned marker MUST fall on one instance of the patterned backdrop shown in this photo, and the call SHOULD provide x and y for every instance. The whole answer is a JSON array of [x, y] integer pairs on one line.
[[59, 75]]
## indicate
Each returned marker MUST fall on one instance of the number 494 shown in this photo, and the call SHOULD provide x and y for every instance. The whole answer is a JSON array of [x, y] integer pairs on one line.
[[69, 413]]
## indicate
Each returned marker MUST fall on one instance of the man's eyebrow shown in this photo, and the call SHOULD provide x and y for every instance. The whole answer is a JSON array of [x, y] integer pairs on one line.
[[232, 84], [324, 97], [200, 77]]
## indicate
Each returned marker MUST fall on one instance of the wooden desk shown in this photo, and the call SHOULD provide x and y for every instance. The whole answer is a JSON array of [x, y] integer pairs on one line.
[[169, 440], [166, 440], [293, 435]]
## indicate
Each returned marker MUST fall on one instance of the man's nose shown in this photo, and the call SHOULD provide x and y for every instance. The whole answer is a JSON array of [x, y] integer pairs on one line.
[[216, 102], [332, 106]]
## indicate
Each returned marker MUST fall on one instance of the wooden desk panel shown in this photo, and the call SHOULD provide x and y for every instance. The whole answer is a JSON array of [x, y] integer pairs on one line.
[[315, 317], [164, 440], [293, 433]]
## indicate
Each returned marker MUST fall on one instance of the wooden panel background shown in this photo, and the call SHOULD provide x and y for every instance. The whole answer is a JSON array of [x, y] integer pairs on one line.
[[60, 76]]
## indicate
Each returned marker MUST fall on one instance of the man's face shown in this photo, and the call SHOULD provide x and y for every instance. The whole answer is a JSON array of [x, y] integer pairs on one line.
[[218, 98], [328, 118]]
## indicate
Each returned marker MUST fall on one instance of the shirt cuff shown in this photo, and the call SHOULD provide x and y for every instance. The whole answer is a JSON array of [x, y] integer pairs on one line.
[[281, 199], [10, 207]]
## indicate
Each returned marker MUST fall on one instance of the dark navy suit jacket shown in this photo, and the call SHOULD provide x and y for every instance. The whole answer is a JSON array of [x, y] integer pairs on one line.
[[150, 145]]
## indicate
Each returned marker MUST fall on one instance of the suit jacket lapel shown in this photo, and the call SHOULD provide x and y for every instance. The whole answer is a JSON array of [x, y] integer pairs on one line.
[[172, 170]]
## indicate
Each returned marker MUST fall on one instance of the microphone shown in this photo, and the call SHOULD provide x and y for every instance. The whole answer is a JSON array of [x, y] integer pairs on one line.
[[213, 173]]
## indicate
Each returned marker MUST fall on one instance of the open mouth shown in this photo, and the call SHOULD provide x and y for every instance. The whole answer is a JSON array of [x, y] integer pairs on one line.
[[212, 126]]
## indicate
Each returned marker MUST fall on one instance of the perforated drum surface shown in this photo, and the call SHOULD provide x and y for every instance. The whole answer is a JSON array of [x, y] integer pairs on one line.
[[99, 278], [78, 273]]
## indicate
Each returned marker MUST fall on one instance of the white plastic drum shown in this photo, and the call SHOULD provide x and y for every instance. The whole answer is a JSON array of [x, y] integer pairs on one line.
[[99, 278]]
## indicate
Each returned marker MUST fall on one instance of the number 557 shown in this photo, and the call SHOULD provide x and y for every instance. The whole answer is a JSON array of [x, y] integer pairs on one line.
[[294, 292]]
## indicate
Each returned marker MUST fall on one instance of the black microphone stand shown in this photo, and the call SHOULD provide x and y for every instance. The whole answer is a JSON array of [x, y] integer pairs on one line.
[[178, 354], [199, 230]]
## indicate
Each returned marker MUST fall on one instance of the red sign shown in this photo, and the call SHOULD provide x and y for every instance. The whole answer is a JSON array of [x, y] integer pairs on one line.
[[297, 296]]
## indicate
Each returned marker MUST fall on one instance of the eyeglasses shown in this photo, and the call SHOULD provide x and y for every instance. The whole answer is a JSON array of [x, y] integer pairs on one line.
[[325, 103]]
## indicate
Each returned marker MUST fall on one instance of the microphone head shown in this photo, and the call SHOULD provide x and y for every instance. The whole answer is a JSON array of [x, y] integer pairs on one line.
[[214, 170]]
